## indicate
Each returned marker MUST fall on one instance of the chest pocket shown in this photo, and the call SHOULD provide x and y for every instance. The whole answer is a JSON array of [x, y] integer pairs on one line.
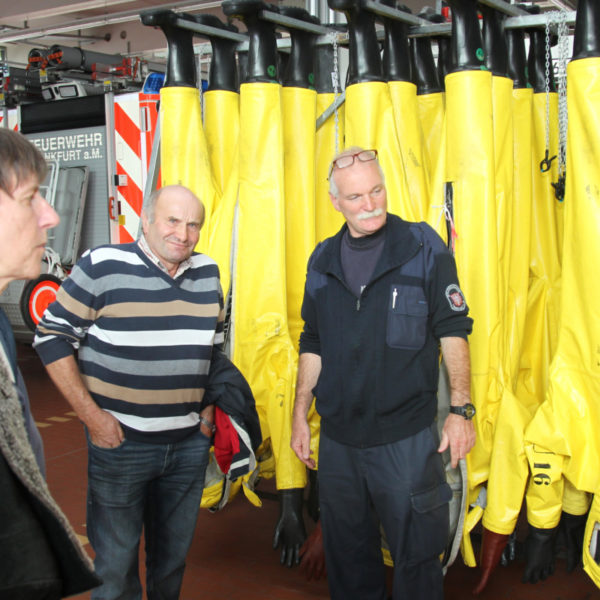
[[407, 317]]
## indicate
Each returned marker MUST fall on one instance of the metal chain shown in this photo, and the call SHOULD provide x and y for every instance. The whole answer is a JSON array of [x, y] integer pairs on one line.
[[563, 55], [547, 81], [336, 81]]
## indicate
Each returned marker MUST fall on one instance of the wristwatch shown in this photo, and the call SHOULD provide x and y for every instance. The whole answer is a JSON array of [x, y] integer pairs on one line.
[[466, 410], [208, 424]]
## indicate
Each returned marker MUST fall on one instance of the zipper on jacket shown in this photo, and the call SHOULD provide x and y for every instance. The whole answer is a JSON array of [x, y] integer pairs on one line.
[[379, 277]]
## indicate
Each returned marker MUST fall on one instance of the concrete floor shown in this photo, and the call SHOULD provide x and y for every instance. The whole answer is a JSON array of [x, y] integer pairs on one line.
[[231, 557]]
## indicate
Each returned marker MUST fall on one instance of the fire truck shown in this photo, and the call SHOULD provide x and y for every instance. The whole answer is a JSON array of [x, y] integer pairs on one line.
[[93, 117]]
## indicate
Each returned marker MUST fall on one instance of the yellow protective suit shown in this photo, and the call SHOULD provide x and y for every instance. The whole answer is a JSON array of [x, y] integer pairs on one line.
[[431, 111], [328, 221], [470, 169], [509, 469], [564, 429], [183, 150], [262, 348], [221, 124], [410, 138], [370, 123], [299, 107], [222, 127]]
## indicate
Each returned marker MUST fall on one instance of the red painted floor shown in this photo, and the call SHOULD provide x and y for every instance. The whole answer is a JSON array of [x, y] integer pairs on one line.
[[231, 557]]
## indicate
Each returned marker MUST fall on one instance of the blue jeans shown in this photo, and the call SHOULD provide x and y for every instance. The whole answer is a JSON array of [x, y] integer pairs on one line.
[[157, 487]]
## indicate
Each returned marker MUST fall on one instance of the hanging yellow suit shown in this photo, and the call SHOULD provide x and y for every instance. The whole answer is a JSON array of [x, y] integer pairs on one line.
[[410, 138], [222, 126], [221, 123], [299, 107], [370, 123], [543, 299], [328, 221], [564, 430], [263, 350], [299, 118], [470, 168], [508, 466], [183, 150]]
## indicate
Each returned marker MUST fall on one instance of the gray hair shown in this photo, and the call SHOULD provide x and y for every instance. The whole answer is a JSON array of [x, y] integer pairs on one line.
[[19, 160], [333, 188]]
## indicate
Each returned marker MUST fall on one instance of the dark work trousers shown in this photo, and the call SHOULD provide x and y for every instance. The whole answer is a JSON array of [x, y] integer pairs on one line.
[[401, 485]]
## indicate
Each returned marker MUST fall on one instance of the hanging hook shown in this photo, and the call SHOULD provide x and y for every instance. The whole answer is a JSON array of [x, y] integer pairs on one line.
[[546, 163], [559, 188]]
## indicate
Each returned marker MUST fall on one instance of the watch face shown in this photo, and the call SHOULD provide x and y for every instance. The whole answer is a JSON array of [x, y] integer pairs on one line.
[[469, 411]]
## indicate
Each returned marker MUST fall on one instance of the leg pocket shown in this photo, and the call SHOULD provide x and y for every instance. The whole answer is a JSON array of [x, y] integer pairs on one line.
[[429, 522]]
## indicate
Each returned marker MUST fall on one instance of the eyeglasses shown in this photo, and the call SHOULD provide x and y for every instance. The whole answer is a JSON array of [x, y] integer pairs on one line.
[[348, 159]]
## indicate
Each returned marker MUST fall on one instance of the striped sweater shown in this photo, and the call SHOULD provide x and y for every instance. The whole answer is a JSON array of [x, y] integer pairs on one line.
[[144, 339]]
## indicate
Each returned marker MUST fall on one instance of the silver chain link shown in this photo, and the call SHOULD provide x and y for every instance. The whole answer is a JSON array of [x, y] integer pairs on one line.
[[547, 78], [563, 56], [336, 85]]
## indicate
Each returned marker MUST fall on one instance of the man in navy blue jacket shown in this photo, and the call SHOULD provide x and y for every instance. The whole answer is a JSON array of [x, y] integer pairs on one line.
[[381, 296]]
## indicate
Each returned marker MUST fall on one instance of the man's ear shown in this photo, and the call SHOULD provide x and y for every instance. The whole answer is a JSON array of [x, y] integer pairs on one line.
[[144, 222], [335, 202]]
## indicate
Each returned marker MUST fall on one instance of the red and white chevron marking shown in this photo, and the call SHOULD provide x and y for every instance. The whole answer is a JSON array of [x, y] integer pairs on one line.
[[135, 124], [13, 121]]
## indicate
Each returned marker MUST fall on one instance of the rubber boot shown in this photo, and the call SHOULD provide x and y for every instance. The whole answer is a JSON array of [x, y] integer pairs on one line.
[[517, 58], [223, 73], [396, 50], [467, 44], [572, 529], [494, 41], [181, 62], [299, 71], [312, 553], [539, 554], [262, 65], [492, 547], [586, 42], [364, 63], [424, 72]]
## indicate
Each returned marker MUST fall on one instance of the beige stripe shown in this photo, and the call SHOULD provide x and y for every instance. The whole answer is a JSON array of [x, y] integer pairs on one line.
[[134, 396], [159, 309], [83, 311]]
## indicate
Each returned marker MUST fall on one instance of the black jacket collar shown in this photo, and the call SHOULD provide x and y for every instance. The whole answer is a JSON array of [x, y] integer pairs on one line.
[[400, 245]]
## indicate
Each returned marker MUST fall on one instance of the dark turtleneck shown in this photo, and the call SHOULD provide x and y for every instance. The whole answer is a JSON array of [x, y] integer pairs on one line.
[[359, 255]]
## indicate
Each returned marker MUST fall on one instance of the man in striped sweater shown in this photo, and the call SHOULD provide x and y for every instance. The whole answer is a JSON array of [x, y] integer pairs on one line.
[[144, 318]]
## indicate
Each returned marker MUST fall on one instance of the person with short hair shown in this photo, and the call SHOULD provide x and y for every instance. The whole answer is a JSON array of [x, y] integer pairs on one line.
[[40, 555], [380, 298], [144, 318]]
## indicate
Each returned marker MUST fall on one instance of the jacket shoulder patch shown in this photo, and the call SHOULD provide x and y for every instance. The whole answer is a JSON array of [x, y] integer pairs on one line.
[[455, 298]]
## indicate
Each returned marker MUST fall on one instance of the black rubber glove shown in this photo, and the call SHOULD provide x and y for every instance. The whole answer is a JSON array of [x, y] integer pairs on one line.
[[290, 531], [539, 554], [573, 529]]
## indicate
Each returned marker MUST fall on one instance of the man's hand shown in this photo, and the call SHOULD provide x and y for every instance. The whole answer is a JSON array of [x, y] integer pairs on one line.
[[104, 429], [458, 434], [289, 531], [301, 441]]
